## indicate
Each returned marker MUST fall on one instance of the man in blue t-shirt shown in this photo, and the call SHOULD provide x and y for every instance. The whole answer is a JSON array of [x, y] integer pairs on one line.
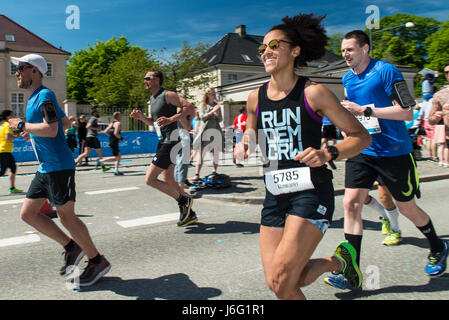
[[376, 90], [55, 177]]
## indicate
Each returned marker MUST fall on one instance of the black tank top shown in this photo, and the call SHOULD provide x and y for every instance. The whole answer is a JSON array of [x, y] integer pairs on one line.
[[160, 108], [112, 137], [287, 127]]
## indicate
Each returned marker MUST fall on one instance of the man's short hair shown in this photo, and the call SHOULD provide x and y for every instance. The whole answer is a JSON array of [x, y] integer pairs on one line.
[[159, 74], [360, 37]]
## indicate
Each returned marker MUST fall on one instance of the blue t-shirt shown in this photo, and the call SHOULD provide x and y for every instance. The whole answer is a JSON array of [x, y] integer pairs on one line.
[[53, 154], [327, 122], [374, 86]]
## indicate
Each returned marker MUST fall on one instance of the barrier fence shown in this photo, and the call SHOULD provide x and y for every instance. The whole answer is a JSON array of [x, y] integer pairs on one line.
[[136, 142]]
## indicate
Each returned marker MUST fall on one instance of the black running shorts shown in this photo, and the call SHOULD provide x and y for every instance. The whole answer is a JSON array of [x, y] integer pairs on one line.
[[316, 205], [114, 146], [399, 174], [7, 161], [58, 187], [93, 142], [162, 158]]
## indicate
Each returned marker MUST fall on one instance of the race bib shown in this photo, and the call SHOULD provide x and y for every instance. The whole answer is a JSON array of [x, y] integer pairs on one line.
[[371, 124], [288, 180]]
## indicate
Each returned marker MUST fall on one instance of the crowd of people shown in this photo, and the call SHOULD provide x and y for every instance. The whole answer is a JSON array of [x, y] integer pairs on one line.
[[294, 119]]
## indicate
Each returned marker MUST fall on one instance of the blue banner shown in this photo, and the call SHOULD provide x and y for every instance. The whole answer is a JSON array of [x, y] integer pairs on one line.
[[136, 142]]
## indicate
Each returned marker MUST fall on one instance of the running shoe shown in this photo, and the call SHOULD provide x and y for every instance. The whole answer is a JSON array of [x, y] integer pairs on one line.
[[392, 239], [190, 220], [437, 262], [385, 226], [71, 259], [15, 190], [350, 276], [185, 210], [340, 282], [105, 168], [118, 173], [94, 272]]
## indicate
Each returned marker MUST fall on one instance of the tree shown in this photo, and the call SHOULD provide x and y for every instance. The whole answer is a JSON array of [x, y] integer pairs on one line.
[[438, 51], [184, 69], [85, 65], [403, 46], [122, 85], [334, 43]]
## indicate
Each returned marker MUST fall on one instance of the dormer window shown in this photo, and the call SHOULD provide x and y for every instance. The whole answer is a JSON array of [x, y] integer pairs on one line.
[[10, 38], [246, 58]]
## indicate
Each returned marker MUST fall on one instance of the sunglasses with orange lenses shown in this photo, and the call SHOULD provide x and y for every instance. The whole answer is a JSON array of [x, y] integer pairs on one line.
[[273, 45]]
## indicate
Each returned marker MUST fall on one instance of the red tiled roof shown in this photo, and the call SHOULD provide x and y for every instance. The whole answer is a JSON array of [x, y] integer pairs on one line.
[[26, 41]]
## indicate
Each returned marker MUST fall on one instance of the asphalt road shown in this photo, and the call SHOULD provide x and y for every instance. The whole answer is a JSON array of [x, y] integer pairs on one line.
[[134, 227]]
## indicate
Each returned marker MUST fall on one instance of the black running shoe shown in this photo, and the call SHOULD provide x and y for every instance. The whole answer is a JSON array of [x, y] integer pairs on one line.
[[185, 209], [71, 260], [190, 220], [94, 272]]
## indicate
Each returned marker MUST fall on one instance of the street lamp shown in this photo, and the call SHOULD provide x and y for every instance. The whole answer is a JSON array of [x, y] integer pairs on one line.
[[407, 25]]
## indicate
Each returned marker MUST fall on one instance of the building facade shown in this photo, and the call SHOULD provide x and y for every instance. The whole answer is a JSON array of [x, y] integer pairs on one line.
[[17, 41]]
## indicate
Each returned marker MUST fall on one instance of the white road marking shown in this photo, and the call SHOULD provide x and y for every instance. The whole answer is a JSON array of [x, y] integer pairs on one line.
[[19, 240], [15, 201], [111, 190], [148, 220]]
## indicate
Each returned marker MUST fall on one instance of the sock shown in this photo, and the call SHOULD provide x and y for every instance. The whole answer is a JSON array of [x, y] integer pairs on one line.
[[393, 216], [96, 259], [182, 200], [356, 242], [435, 243], [69, 246], [376, 206]]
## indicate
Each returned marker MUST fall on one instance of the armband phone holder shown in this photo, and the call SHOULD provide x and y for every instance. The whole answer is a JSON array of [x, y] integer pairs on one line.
[[402, 95]]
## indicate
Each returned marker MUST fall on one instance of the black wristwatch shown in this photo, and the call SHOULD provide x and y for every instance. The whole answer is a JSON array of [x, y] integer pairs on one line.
[[334, 152], [20, 126], [368, 112]]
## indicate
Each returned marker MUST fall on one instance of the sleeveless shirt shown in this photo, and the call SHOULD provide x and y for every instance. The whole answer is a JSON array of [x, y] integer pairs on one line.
[[160, 108], [287, 127]]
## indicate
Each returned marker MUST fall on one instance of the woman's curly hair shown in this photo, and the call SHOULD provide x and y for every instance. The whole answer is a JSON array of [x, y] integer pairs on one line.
[[305, 31]]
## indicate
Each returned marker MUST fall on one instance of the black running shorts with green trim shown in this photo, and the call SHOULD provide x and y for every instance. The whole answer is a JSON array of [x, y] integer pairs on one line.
[[162, 159], [399, 174], [58, 187], [316, 205]]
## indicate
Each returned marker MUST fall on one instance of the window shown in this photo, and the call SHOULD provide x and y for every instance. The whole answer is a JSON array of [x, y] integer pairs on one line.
[[232, 77], [246, 58], [49, 69], [12, 68], [18, 104], [10, 38], [212, 59]]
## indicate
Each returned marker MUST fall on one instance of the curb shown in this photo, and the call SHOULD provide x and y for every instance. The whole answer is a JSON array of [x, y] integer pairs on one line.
[[338, 192]]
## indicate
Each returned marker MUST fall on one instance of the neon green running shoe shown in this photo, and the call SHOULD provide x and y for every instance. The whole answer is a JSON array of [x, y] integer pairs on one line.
[[15, 190], [346, 253], [105, 168], [392, 239], [385, 226]]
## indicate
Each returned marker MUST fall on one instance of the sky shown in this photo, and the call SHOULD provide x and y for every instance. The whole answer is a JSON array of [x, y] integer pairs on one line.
[[157, 24]]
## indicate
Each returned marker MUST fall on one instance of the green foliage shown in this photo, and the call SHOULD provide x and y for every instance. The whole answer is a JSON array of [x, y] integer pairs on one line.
[[403, 46], [123, 84], [182, 69], [438, 51], [110, 74], [85, 65], [334, 43]]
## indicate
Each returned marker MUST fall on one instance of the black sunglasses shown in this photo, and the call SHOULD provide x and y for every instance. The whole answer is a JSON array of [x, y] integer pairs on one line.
[[150, 78], [273, 45], [21, 68], [446, 72]]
